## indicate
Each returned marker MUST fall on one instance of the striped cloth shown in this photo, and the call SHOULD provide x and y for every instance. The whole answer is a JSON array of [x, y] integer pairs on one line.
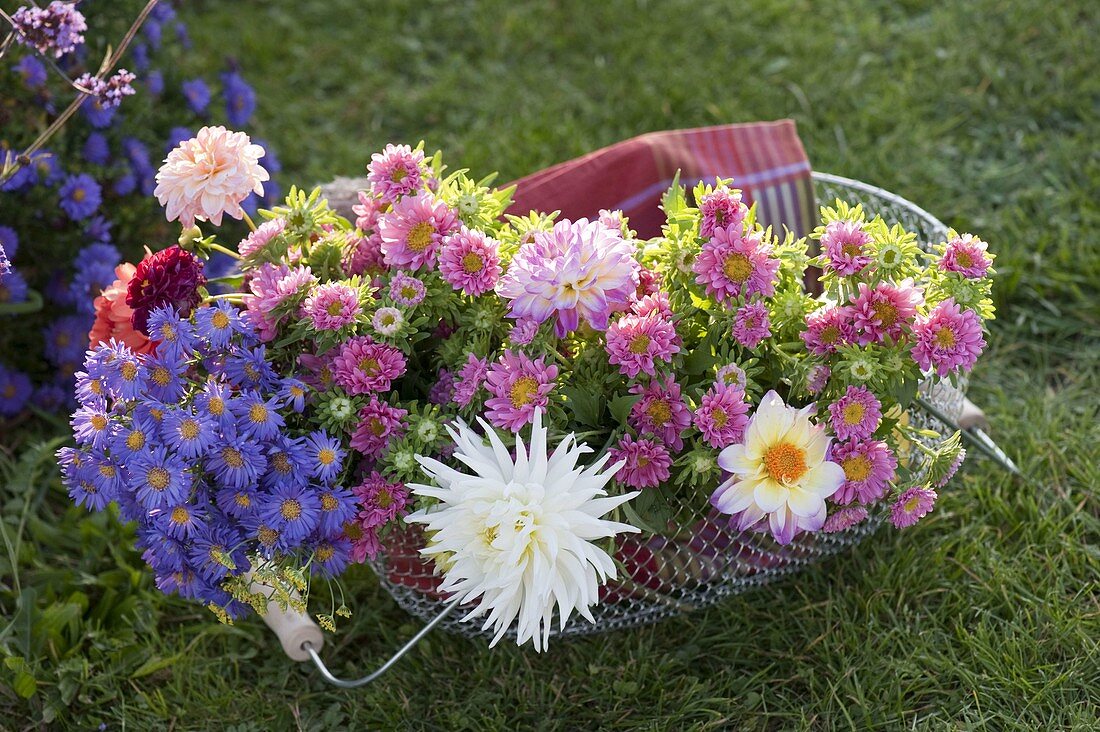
[[765, 159]]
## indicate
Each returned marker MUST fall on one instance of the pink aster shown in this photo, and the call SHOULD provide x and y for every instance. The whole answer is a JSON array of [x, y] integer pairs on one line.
[[406, 290], [209, 175], [636, 343], [720, 209], [732, 375], [413, 229], [828, 329], [261, 237], [647, 462], [362, 366], [751, 324], [614, 220], [395, 171], [855, 415], [966, 255], [649, 283], [656, 302], [579, 270], [319, 368], [469, 261], [868, 469], [523, 332], [912, 505], [518, 386], [954, 468], [885, 311], [661, 411], [722, 416], [364, 255], [845, 246], [364, 542], [844, 519], [379, 423], [272, 285], [818, 378], [948, 339], [367, 211], [382, 500], [732, 264], [470, 378], [331, 306]]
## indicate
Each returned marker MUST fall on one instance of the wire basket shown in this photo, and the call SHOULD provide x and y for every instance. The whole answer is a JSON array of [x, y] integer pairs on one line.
[[699, 560]]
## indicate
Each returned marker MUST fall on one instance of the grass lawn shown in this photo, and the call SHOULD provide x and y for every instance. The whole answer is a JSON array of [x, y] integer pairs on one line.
[[984, 616]]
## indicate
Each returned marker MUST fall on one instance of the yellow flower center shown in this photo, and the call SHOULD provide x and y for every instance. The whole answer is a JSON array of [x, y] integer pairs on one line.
[[156, 413], [79, 194], [353, 531], [161, 376], [129, 371], [290, 509], [324, 553], [219, 320], [384, 499], [216, 406], [297, 391], [420, 236], [232, 457], [326, 456], [720, 418], [399, 174], [785, 463], [95, 385], [167, 332], [370, 366], [135, 440], [158, 478], [853, 413], [267, 535], [408, 292], [856, 468], [107, 471], [830, 334], [257, 414], [737, 267], [472, 263], [963, 259], [490, 533], [886, 313], [523, 391], [180, 515], [945, 337], [251, 372], [281, 463], [659, 412], [912, 503], [189, 429], [376, 426], [335, 307], [329, 502], [99, 422], [243, 500], [851, 250], [639, 344], [9, 391]]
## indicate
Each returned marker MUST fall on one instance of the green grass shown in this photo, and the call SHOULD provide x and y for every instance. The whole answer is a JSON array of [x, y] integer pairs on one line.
[[984, 616]]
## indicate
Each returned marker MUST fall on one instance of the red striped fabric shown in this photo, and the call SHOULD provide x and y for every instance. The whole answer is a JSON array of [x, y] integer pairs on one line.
[[765, 159]]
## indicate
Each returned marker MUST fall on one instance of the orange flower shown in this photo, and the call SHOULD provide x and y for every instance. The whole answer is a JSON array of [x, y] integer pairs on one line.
[[113, 316]]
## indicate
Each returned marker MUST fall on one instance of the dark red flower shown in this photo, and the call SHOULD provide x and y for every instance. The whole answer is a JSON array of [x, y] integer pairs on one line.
[[171, 276]]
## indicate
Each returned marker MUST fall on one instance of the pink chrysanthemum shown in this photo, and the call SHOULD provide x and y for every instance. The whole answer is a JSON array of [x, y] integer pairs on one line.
[[885, 311], [720, 209], [387, 321], [751, 324], [954, 468], [948, 339], [470, 378], [722, 416], [732, 375], [661, 411], [271, 286], [395, 171], [844, 518], [261, 237], [469, 261], [647, 462], [732, 265], [362, 366], [406, 290], [331, 306], [845, 246], [579, 270], [613, 220], [367, 211], [519, 386], [868, 469], [412, 231], [523, 332], [364, 255], [379, 423], [828, 329], [209, 175], [382, 500], [912, 505], [855, 415], [966, 255], [818, 378], [636, 343], [364, 542], [656, 302]]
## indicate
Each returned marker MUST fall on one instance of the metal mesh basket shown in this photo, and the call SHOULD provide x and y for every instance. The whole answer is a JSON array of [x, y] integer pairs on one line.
[[699, 560]]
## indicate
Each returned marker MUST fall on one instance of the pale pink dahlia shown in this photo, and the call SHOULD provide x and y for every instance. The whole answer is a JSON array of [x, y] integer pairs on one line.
[[948, 339], [751, 324], [331, 306], [869, 467], [395, 171], [828, 329], [661, 411], [412, 230], [470, 378], [722, 416], [261, 237], [209, 175], [362, 366], [647, 462], [732, 264], [469, 261], [382, 500], [966, 255], [855, 415], [912, 505], [367, 211], [885, 311], [720, 209], [845, 246], [844, 518], [519, 386], [406, 290], [580, 269], [379, 423], [637, 343], [271, 286]]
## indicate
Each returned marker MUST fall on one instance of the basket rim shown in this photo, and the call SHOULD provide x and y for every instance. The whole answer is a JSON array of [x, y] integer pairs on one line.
[[880, 193]]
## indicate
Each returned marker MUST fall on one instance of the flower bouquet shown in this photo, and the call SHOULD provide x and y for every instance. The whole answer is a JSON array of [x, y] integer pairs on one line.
[[526, 416]]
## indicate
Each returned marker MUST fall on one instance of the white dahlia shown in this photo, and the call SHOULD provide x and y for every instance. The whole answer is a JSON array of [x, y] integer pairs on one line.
[[517, 535], [779, 472]]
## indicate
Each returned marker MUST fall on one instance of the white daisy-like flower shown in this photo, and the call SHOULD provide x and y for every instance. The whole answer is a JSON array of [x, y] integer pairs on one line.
[[387, 321], [517, 536], [779, 472]]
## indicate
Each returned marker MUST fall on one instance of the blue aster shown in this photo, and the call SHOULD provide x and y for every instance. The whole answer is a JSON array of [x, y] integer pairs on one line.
[[154, 82], [106, 471], [33, 71], [181, 521], [48, 167], [215, 401], [256, 417], [248, 368], [134, 438], [98, 116], [326, 456], [237, 502], [190, 434], [80, 196], [176, 335], [13, 287], [184, 582], [197, 94], [159, 550], [269, 540], [293, 510], [330, 556], [139, 56], [240, 99], [123, 371], [292, 393], [65, 339], [237, 463], [164, 377], [177, 135], [99, 230], [159, 478], [337, 507], [52, 398], [287, 463], [126, 183], [97, 151], [9, 240], [218, 551], [91, 424], [15, 389], [218, 323]]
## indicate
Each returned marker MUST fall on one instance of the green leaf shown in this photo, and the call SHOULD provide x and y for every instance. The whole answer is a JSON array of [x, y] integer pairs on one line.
[[23, 682], [586, 405], [699, 360], [621, 406]]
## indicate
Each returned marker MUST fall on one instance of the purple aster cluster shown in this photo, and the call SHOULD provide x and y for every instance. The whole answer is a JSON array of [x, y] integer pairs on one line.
[[56, 29]]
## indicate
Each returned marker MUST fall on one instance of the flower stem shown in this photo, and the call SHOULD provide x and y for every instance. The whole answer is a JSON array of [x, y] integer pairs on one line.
[[224, 250], [248, 220]]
